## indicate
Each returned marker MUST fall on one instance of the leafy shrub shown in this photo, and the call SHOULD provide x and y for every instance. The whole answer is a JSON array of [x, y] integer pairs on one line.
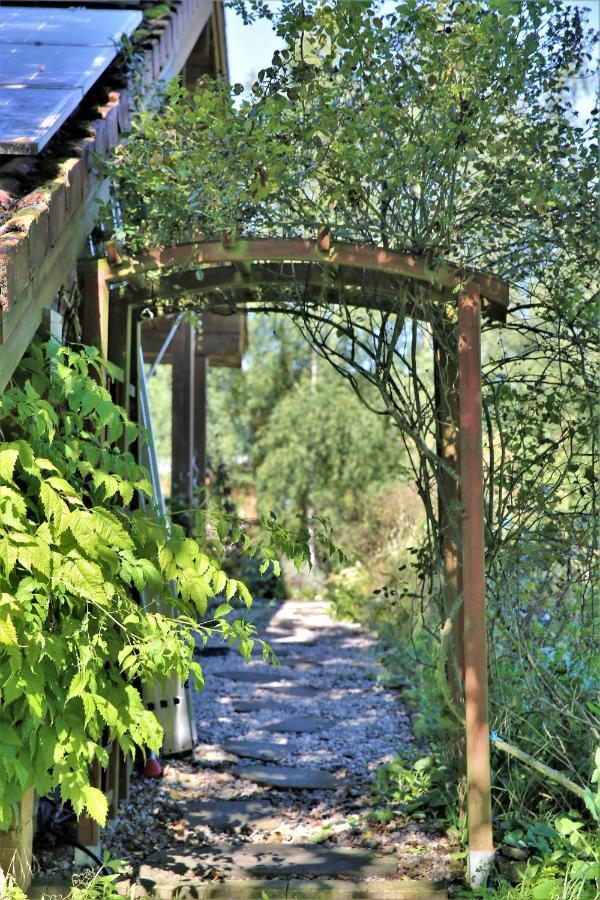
[[77, 550], [415, 789], [349, 591], [87, 885], [565, 864]]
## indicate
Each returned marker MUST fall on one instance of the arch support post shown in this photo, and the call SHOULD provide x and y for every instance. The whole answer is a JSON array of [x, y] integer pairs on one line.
[[477, 740], [445, 362]]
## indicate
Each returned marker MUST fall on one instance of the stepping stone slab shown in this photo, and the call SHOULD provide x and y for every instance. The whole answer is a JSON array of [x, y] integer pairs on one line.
[[228, 815], [212, 753], [246, 706], [288, 778], [263, 860], [295, 690], [310, 889], [296, 640], [268, 752], [299, 889], [302, 665], [260, 676], [301, 724], [171, 885]]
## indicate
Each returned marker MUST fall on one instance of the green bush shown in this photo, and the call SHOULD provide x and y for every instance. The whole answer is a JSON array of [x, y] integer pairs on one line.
[[418, 790], [79, 544]]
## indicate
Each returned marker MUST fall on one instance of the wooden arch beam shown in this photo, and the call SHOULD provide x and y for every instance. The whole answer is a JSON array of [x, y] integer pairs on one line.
[[225, 292], [235, 262]]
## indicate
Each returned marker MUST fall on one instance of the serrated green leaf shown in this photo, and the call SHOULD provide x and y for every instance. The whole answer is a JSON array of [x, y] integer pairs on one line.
[[8, 459], [83, 578], [222, 610], [244, 593], [89, 706], [219, 582], [195, 588], [8, 632], [106, 709], [55, 508], [78, 685], [8, 555], [95, 803]]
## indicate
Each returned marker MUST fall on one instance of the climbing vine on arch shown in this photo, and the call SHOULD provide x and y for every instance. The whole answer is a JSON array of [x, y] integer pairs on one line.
[[444, 130]]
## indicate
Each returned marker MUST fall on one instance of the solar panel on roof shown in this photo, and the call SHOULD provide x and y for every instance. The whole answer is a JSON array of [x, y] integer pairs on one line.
[[68, 27], [28, 118], [48, 61], [122, 4], [46, 66]]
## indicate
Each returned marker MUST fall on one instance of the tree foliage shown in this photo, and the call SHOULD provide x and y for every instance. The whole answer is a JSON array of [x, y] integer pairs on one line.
[[322, 450], [440, 129]]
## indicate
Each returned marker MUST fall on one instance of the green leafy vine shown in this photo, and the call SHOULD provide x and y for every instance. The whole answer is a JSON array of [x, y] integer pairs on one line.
[[77, 551]]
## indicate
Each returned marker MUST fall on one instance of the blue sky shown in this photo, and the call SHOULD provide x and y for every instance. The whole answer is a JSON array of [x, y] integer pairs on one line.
[[251, 47]]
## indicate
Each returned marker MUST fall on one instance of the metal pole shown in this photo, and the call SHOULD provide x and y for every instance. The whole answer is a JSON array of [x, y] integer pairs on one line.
[[165, 346], [479, 806]]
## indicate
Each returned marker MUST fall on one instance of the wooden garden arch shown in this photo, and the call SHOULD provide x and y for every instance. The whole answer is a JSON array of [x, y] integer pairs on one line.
[[166, 273]]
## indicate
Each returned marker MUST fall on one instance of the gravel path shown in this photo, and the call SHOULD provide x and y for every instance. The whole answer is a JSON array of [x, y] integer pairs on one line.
[[329, 671]]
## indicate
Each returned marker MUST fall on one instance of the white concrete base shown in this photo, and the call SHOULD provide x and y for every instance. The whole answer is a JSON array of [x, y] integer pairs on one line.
[[81, 859], [480, 864]]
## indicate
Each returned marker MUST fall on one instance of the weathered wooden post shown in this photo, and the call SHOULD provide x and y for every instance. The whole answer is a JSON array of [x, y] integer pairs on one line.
[[200, 407], [447, 422], [477, 740], [182, 422], [93, 280]]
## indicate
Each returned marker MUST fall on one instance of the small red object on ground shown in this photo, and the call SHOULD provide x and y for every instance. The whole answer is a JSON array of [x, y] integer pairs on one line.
[[153, 768]]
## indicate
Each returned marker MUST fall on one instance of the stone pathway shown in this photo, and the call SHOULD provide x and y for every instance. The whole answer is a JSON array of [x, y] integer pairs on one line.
[[276, 802], [280, 785]]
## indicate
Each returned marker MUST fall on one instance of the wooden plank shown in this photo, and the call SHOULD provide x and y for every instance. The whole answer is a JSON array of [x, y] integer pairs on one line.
[[113, 780], [192, 31], [477, 738], [51, 325], [221, 61], [95, 307], [221, 338], [125, 767], [446, 418], [182, 419], [352, 256], [88, 831], [199, 425], [120, 332], [42, 289]]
